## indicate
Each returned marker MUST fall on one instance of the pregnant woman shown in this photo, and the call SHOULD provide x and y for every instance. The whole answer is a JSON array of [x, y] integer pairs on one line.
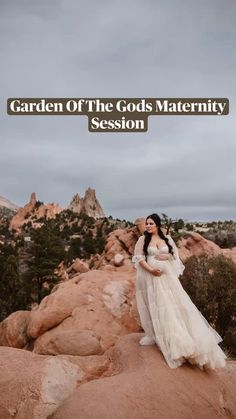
[[167, 314]]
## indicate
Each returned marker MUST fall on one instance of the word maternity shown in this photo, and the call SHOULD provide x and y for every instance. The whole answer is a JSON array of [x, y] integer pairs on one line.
[[192, 107]]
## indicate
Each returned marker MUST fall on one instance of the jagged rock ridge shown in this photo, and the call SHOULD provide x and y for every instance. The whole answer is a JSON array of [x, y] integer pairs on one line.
[[88, 205]]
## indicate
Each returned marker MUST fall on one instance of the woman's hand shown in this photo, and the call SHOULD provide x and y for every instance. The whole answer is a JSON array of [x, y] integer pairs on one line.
[[162, 256], [148, 268], [156, 272]]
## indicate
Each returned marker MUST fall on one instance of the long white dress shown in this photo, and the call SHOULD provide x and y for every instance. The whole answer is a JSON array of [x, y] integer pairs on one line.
[[168, 315]]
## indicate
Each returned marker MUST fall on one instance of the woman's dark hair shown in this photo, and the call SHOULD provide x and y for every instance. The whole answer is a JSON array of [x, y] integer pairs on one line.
[[148, 236]]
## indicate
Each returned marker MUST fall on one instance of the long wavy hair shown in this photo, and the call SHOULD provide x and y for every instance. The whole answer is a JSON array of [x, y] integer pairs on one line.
[[148, 236]]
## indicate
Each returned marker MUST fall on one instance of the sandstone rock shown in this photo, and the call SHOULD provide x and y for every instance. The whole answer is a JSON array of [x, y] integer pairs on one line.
[[13, 330], [102, 302], [197, 245], [141, 385], [126, 238], [120, 241], [24, 214], [118, 259], [115, 296], [53, 309], [71, 342], [34, 386], [92, 367], [140, 224], [108, 268], [127, 381], [78, 266], [88, 205]]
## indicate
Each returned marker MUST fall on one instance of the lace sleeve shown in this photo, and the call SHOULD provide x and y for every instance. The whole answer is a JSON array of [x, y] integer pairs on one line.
[[176, 261], [138, 252]]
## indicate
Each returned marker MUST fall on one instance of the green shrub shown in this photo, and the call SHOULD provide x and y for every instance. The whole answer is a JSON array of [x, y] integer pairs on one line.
[[211, 284]]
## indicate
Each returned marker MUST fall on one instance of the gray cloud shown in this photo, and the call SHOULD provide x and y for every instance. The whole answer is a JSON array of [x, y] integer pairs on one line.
[[184, 166]]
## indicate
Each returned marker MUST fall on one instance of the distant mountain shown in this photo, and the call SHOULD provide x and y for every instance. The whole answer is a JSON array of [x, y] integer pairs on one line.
[[5, 203]]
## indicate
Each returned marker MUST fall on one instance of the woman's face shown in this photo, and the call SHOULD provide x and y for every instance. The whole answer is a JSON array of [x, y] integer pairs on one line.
[[151, 226]]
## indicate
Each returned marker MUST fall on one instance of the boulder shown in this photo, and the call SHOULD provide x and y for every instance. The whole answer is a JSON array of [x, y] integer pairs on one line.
[[13, 329], [141, 385], [33, 386], [71, 342], [78, 266], [102, 302], [118, 259]]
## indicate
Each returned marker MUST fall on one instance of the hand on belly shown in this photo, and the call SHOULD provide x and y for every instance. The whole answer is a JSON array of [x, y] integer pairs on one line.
[[157, 264]]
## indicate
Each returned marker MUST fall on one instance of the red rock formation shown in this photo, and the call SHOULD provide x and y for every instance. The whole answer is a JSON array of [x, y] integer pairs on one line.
[[197, 245], [70, 342], [13, 329], [127, 381], [139, 384], [78, 266], [88, 205], [97, 300], [119, 242], [33, 386], [25, 214]]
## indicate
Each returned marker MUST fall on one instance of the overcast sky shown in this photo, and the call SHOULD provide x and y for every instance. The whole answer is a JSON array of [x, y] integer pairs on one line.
[[183, 166]]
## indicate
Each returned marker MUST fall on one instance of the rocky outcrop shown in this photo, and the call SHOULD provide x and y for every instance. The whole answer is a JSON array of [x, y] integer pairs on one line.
[[34, 386], [119, 248], [13, 329], [126, 381], [78, 266], [88, 205], [71, 342], [32, 212], [195, 244], [86, 314], [139, 384]]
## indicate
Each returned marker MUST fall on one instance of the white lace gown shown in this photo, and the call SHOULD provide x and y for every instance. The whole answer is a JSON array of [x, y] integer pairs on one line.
[[169, 316]]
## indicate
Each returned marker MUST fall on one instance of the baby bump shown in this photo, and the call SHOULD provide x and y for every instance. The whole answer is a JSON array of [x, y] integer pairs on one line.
[[156, 264]]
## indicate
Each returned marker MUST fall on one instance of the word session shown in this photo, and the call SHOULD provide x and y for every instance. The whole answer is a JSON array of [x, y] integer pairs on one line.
[[123, 124]]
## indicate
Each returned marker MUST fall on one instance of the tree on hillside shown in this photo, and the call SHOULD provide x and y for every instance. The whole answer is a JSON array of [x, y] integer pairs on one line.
[[10, 288], [74, 250], [89, 245], [179, 224], [100, 240], [47, 251], [166, 222]]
